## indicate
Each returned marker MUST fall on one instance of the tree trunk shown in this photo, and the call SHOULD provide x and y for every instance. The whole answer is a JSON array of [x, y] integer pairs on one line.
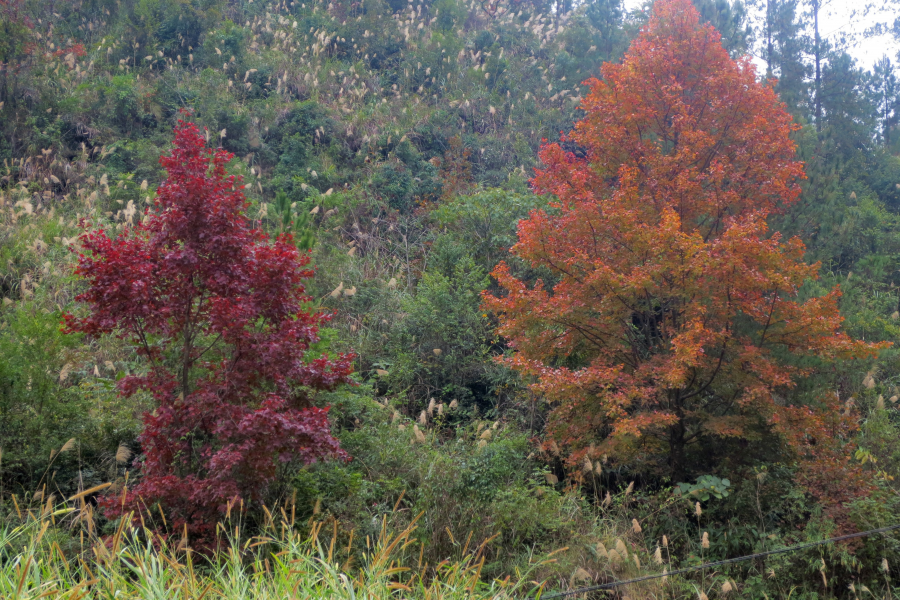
[[677, 442], [817, 49], [771, 7]]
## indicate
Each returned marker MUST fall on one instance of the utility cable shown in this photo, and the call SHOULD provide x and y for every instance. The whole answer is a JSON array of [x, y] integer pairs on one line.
[[614, 584]]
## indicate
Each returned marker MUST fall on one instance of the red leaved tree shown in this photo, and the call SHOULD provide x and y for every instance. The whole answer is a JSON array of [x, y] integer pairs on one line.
[[217, 311], [673, 313]]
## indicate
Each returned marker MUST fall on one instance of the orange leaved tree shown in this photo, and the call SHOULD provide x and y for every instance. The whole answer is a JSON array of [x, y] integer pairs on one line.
[[673, 316]]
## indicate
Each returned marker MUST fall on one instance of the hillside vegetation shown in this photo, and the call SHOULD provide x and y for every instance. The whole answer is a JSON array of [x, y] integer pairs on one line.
[[481, 446]]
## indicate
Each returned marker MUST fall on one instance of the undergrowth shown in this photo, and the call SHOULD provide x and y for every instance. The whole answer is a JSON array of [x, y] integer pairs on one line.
[[281, 562]]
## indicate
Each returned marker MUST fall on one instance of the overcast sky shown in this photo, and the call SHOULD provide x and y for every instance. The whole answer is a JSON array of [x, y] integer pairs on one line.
[[839, 18]]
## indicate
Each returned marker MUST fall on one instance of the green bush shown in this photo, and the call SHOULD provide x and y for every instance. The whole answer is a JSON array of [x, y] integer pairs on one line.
[[465, 483], [45, 402], [484, 224], [442, 348]]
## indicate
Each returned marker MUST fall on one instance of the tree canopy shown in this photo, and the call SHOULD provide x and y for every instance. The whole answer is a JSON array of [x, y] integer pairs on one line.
[[673, 316]]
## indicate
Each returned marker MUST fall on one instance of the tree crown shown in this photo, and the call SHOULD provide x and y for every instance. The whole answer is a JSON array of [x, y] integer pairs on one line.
[[219, 313], [673, 316]]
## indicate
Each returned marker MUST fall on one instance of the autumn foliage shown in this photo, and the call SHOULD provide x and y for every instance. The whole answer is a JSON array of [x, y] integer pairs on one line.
[[673, 319], [217, 312]]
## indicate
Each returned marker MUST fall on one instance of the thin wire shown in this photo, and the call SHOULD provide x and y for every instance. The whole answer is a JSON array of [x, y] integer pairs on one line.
[[615, 584]]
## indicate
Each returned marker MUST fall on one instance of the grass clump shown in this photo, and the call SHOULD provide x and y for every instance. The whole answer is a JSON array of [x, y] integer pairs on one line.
[[281, 562]]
